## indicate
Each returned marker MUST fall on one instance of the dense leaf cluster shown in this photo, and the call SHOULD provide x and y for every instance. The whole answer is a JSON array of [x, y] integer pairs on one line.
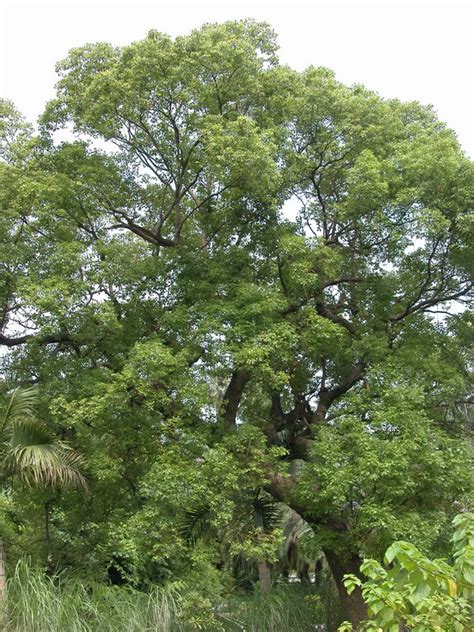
[[231, 280]]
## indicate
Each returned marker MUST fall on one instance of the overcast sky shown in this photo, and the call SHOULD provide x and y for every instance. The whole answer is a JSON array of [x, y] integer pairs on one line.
[[411, 50]]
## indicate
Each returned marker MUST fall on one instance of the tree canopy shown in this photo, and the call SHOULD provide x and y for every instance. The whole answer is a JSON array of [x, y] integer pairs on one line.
[[228, 279]]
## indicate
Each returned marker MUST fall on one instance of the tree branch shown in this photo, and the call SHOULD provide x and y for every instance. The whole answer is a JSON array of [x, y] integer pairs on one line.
[[328, 396], [325, 311], [62, 338], [233, 395]]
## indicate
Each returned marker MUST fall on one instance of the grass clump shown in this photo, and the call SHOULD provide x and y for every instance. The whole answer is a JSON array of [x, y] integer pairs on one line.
[[285, 607], [37, 603]]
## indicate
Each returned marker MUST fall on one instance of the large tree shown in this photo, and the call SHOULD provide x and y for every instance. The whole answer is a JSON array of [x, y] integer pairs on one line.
[[230, 253]]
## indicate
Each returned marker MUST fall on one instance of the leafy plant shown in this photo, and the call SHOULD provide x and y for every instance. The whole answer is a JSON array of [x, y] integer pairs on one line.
[[423, 594], [29, 449]]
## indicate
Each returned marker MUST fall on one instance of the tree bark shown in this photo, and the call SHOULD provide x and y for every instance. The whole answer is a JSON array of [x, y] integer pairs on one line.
[[328, 397], [3, 580], [264, 576], [47, 536], [354, 605], [283, 488], [233, 395]]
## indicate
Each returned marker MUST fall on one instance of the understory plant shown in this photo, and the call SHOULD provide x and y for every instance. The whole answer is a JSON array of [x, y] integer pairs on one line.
[[36, 602], [414, 591]]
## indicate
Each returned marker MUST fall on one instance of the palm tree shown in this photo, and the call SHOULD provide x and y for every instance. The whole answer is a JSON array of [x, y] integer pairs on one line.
[[29, 450]]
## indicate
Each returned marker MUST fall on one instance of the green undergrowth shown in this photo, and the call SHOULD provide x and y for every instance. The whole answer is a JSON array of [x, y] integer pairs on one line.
[[36, 603]]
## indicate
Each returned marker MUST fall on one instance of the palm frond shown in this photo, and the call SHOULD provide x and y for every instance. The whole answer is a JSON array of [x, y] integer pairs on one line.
[[295, 531], [20, 405], [28, 432], [195, 523], [34, 454], [267, 512]]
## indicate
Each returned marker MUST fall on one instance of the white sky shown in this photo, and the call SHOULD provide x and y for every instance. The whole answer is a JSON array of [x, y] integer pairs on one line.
[[411, 50]]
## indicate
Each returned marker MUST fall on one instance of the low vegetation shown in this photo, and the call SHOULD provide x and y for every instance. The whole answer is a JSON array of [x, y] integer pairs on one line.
[[37, 603]]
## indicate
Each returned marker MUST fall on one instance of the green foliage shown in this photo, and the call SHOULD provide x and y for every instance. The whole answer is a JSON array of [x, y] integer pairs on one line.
[[30, 451], [385, 471], [418, 592], [36, 603], [283, 608], [14, 131], [210, 495], [235, 282]]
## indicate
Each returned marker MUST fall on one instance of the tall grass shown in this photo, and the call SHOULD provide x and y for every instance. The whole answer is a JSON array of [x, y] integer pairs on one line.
[[285, 607], [36, 603]]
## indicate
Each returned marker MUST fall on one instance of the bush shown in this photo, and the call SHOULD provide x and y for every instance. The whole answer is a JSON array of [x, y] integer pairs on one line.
[[422, 594]]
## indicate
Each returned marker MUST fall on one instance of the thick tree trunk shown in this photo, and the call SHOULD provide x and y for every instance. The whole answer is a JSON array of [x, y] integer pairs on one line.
[[353, 604], [3, 580], [283, 488], [264, 576]]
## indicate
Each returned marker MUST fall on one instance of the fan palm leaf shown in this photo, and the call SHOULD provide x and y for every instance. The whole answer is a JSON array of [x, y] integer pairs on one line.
[[31, 451]]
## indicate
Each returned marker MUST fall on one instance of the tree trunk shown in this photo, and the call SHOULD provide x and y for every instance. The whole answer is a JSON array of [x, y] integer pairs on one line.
[[264, 576], [47, 537], [354, 606], [3, 581]]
